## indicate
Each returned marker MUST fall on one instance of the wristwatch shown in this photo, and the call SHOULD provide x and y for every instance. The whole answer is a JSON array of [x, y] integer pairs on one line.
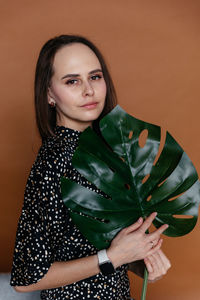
[[105, 265]]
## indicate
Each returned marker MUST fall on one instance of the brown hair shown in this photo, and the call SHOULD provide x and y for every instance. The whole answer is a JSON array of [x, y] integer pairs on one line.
[[45, 115]]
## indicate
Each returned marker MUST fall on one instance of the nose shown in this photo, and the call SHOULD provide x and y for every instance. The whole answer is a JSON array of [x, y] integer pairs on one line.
[[88, 89]]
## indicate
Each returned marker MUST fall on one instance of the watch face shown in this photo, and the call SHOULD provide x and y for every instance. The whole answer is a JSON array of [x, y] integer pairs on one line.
[[107, 268]]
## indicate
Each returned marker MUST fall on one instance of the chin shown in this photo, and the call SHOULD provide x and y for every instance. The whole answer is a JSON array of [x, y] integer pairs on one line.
[[93, 115]]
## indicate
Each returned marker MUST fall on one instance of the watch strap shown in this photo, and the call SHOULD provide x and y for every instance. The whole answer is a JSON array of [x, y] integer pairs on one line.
[[105, 265]]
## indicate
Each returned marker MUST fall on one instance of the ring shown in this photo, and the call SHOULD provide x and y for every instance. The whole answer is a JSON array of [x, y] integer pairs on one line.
[[152, 244]]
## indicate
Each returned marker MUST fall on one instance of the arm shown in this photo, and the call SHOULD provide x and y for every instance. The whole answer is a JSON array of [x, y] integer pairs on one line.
[[64, 273], [138, 246]]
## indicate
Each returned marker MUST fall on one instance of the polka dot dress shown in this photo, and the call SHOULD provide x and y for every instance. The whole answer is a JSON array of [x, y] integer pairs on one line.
[[46, 232]]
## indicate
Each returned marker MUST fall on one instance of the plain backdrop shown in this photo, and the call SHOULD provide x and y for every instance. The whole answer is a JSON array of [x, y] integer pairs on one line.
[[153, 52]]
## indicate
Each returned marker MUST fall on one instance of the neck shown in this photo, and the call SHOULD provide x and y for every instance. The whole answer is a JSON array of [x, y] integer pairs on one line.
[[75, 126]]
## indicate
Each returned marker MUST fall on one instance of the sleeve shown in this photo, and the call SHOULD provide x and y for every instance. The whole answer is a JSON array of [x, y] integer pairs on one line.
[[42, 220]]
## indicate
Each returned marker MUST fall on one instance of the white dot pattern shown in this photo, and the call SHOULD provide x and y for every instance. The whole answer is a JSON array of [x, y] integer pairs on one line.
[[46, 232]]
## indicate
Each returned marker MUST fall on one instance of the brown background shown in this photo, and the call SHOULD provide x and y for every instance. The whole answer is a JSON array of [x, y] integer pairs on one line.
[[153, 51]]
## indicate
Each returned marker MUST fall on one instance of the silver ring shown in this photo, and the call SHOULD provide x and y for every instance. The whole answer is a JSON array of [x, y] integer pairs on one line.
[[152, 244]]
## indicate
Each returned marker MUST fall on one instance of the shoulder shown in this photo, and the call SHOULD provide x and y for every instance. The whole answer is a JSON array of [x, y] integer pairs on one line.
[[54, 155], [54, 158]]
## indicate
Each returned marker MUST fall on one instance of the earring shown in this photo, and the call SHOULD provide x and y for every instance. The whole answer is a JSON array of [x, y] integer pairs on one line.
[[52, 104]]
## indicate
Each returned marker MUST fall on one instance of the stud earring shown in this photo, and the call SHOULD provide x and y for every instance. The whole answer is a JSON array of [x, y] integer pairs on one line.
[[52, 104]]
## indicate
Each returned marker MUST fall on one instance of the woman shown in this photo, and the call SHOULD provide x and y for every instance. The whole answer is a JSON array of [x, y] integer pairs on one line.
[[73, 90]]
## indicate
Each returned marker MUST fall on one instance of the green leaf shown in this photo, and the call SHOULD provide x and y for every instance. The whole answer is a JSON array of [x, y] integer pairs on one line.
[[139, 177]]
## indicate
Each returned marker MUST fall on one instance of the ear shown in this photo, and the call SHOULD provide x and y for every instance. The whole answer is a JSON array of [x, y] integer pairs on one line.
[[50, 96]]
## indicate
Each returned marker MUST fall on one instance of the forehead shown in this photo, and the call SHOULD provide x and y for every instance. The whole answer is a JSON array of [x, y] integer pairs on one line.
[[75, 58]]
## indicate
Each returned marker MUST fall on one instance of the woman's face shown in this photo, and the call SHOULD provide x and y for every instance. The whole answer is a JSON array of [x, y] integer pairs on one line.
[[77, 86]]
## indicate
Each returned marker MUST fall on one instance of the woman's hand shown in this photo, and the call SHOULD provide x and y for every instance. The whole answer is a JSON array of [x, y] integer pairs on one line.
[[157, 265], [132, 243]]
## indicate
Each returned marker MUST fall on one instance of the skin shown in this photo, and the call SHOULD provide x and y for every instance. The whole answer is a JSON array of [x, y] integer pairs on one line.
[[77, 87], [79, 101]]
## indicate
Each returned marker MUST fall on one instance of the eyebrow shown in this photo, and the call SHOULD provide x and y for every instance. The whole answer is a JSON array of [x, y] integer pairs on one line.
[[76, 75]]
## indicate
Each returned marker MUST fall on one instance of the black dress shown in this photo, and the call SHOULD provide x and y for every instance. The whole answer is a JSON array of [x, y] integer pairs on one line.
[[46, 232]]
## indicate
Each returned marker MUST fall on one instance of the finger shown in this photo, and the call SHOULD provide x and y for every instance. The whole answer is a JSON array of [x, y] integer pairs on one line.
[[147, 223], [154, 243], [148, 265], [156, 234], [152, 269], [154, 249], [155, 267], [164, 259], [153, 278], [157, 264], [134, 226]]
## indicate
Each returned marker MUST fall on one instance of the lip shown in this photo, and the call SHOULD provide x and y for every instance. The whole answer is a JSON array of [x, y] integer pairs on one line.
[[90, 105]]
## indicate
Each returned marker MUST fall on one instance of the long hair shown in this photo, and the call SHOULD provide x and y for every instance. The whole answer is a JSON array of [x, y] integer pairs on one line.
[[45, 115]]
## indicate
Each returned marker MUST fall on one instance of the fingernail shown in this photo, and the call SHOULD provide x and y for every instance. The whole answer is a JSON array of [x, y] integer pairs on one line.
[[140, 220]]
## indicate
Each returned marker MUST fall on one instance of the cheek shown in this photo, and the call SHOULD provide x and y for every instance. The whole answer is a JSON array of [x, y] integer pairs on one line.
[[63, 96], [103, 89]]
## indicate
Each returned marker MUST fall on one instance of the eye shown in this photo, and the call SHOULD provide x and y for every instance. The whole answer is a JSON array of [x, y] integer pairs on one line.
[[96, 77], [71, 81]]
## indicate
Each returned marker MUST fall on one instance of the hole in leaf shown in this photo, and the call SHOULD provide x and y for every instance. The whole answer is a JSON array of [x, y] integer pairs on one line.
[[183, 216], [149, 197], [127, 186], [112, 169], [175, 197], [130, 134], [91, 217], [145, 178], [105, 221], [172, 199], [162, 182], [162, 143], [143, 138]]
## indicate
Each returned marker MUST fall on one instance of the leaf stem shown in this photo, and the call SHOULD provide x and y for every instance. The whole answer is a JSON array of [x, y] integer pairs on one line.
[[145, 282]]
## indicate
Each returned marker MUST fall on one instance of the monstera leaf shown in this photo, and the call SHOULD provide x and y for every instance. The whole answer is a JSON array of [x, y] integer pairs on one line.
[[139, 176]]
